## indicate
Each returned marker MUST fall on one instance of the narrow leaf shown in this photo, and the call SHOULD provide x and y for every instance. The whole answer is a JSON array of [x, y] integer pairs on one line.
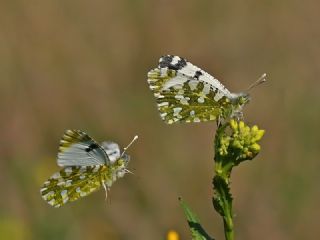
[[197, 231]]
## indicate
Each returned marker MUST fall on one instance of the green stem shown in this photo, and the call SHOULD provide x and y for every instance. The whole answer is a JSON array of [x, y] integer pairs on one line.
[[228, 226], [222, 190], [223, 202]]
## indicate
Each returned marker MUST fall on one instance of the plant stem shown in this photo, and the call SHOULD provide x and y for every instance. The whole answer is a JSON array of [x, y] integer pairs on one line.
[[228, 226], [222, 197], [222, 201], [223, 192]]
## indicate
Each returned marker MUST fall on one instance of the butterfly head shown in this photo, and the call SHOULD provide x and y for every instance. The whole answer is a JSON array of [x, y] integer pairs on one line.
[[240, 99], [238, 102], [243, 99], [121, 164]]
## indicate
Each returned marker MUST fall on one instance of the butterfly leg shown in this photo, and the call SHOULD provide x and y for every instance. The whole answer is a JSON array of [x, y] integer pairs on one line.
[[218, 121], [105, 188]]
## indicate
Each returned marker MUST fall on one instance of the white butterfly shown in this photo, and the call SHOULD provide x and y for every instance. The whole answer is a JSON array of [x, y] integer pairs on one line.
[[186, 93], [86, 167]]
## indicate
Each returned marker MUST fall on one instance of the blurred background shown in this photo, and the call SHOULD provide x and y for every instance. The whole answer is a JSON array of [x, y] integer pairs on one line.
[[83, 65]]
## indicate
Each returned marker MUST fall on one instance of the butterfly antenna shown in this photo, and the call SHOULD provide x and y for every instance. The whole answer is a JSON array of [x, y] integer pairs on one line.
[[132, 141], [261, 79]]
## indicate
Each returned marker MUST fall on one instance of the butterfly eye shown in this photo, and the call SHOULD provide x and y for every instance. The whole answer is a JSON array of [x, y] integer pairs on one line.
[[244, 99]]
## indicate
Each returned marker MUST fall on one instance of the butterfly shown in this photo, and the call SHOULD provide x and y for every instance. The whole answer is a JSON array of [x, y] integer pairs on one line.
[[86, 166], [186, 93]]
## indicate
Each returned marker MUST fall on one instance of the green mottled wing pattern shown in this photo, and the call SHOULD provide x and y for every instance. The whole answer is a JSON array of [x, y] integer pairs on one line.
[[190, 101], [72, 183], [186, 93]]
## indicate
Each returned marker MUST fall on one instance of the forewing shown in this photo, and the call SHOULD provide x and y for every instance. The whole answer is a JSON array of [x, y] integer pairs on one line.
[[187, 71], [78, 149], [70, 184], [112, 149], [185, 93]]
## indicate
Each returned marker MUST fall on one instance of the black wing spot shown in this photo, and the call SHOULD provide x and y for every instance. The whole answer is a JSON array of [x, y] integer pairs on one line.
[[166, 61], [197, 74], [181, 64], [91, 147]]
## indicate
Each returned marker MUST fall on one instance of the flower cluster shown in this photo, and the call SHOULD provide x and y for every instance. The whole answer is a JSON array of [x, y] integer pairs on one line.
[[237, 142]]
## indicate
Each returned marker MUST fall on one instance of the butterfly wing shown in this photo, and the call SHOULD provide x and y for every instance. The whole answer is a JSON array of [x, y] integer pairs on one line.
[[112, 149], [71, 183], [185, 93], [78, 149]]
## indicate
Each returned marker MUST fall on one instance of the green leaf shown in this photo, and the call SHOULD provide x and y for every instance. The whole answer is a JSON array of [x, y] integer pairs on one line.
[[197, 231]]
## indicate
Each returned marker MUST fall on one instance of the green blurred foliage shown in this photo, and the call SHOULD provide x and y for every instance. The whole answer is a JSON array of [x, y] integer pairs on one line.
[[83, 64]]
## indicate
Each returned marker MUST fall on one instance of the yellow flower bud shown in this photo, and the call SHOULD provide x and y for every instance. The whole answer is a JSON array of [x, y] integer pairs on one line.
[[254, 128], [233, 124], [260, 134], [241, 125], [255, 147]]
